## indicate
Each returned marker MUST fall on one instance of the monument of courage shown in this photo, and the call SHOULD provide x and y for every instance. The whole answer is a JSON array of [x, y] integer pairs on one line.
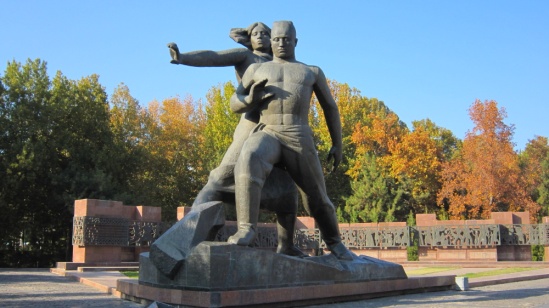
[[272, 153]]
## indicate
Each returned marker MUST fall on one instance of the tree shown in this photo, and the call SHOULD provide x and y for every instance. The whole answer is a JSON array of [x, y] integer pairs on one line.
[[446, 141], [55, 139], [80, 118], [220, 124], [531, 159], [416, 159], [128, 126], [543, 188], [351, 104], [373, 138], [176, 167], [485, 176], [535, 167], [23, 102], [375, 197], [378, 135]]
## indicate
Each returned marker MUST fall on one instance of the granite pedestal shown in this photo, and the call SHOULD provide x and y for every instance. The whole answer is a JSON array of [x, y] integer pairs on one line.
[[223, 275], [216, 266]]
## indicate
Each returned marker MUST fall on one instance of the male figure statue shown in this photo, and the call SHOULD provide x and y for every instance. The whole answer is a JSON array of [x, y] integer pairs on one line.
[[281, 91], [280, 195]]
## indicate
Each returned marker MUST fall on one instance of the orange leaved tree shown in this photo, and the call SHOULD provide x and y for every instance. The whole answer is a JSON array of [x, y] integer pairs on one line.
[[485, 176], [176, 165], [416, 159], [535, 167]]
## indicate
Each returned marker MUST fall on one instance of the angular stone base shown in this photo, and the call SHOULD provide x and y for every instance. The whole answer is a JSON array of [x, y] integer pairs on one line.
[[283, 297], [217, 266], [169, 251]]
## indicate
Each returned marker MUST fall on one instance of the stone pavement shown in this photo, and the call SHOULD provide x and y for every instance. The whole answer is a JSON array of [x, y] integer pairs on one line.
[[529, 293], [533, 274], [40, 288]]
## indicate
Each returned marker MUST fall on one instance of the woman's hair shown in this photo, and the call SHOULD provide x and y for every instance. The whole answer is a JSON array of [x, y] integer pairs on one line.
[[242, 35]]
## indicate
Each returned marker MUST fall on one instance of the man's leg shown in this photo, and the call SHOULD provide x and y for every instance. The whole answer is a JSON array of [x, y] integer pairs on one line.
[[260, 152], [285, 228], [220, 183], [221, 179], [306, 171]]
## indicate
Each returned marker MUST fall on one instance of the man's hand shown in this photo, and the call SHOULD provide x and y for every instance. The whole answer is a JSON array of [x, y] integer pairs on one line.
[[258, 93], [174, 53], [337, 155]]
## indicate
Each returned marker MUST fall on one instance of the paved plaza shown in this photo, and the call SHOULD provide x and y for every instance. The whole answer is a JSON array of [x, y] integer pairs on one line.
[[41, 288], [533, 293]]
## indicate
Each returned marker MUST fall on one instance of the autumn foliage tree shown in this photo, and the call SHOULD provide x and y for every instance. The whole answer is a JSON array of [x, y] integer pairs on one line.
[[352, 187], [375, 195], [485, 177], [446, 142], [219, 123], [535, 167], [416, 159], [176, 169]]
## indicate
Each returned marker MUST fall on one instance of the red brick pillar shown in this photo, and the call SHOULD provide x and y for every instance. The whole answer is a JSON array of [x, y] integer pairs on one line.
[[513, 252], [101, 230], [182, 211], [426, 253]]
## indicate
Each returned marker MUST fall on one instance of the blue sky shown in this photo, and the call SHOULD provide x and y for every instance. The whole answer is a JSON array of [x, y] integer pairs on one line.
[[424, 59]]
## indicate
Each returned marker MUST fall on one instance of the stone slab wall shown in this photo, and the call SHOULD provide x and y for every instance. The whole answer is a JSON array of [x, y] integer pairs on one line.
[[396, 252], [457, 254], [495, 253], [85, 209]]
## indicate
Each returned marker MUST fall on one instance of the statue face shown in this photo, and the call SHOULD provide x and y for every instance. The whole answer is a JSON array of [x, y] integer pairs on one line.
[[284, 40], [260, 39]]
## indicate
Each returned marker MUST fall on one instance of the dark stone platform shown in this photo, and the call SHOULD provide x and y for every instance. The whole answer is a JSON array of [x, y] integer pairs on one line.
[[283, 297], [218, 274], [217, 266]]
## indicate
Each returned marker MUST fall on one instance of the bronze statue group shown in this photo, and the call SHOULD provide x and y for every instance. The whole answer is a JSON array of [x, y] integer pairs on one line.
[[273, 151]]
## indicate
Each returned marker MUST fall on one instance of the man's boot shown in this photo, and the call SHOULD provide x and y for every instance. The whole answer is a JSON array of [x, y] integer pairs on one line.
[[245, 235], [247, 196], [329, 229], [286, 227]]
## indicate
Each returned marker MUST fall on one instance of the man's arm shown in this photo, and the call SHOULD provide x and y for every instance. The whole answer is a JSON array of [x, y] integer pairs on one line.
[[331, 113], [249, 92], [209, 58]]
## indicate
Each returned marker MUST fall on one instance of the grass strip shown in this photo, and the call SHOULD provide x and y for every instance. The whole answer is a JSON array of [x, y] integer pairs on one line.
[[131, 274], [500, 271], [430, 270]]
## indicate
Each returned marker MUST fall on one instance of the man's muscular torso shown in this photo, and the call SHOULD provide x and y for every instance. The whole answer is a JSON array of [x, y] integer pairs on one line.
[[292, 85]]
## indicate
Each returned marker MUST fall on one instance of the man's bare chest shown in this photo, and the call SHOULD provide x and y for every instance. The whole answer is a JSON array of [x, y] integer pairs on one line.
[[287, 73]]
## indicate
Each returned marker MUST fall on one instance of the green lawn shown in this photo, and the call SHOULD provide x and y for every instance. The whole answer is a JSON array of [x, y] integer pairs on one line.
[[430, 270], [494, 272], [131, 274], [499, 271]]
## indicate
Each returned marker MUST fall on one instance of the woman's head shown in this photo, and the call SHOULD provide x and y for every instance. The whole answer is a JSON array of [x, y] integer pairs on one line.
[[256, 37]]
